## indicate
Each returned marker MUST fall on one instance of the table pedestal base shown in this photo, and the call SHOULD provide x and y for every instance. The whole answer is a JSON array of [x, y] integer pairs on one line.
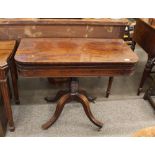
[[67, 96]]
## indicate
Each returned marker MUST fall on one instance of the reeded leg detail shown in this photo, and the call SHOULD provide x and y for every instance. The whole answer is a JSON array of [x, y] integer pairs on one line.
[[109, 86]]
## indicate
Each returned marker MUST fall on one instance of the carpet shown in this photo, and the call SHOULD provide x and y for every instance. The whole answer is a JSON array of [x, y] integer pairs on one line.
[[118, 118]]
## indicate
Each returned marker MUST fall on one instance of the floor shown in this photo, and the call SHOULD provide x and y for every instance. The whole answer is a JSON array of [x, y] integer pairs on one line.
[[123, 112]]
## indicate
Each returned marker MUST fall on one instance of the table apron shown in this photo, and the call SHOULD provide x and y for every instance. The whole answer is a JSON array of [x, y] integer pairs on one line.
[[76, 72]]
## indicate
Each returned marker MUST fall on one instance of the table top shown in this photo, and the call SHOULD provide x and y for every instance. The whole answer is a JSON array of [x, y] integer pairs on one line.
[[51, 21], [6, 50], [146, 20], [74, 51]]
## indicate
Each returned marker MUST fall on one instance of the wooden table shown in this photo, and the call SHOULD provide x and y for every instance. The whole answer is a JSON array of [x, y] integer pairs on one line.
[[18, 28], [7, 51], [106, 28], [73, 57], [144, 35]]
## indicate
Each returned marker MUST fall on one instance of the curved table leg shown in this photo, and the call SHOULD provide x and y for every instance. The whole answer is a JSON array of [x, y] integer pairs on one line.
[[73, 94], [63, 100], [85, 103], [57, 97], [90, 98]]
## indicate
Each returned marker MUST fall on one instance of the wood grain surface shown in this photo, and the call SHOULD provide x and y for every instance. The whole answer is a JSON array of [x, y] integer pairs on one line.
[[40, 21], [6, 49], [71, 50]]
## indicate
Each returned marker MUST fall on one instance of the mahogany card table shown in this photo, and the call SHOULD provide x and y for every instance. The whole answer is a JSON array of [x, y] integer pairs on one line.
[[107, 28], [73, 57]]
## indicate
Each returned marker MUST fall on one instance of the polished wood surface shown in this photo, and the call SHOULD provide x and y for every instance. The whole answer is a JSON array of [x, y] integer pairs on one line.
[[74, 57], [75, 51], [40, 21], [5, 51], [66, 28]]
